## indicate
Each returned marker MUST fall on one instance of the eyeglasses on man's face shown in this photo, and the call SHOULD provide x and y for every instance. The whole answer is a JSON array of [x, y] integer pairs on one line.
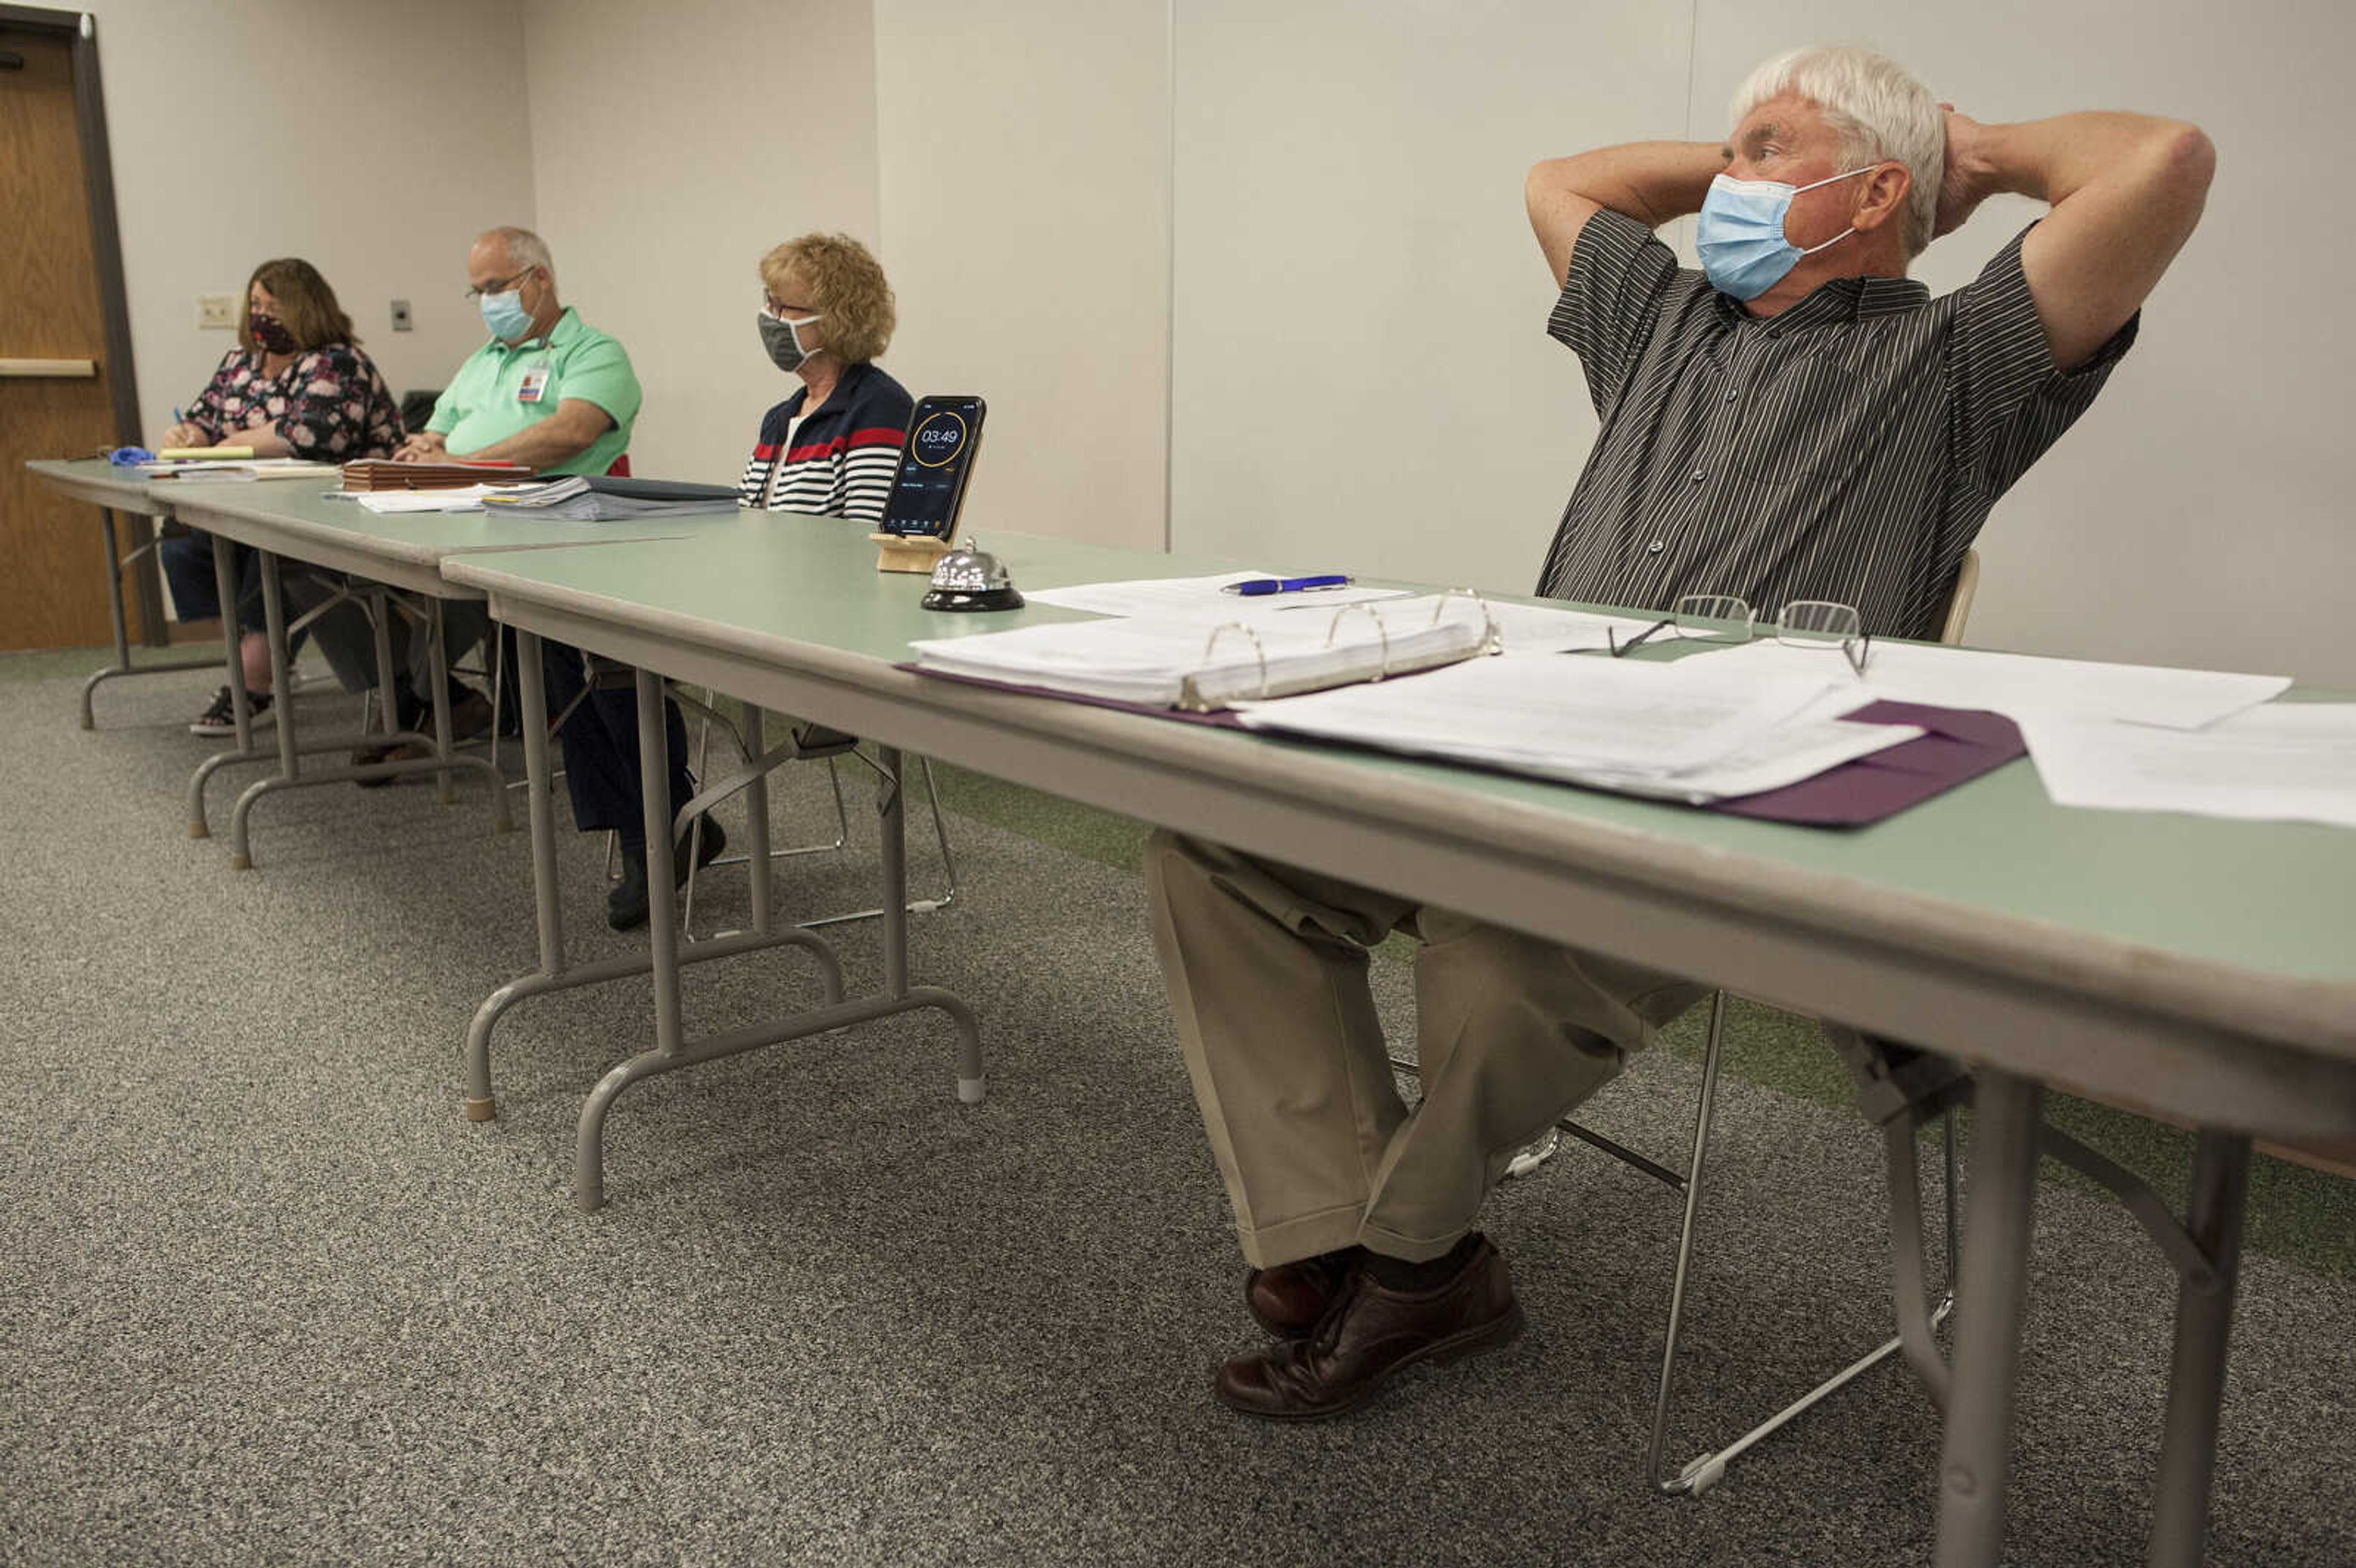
[[500, 286]]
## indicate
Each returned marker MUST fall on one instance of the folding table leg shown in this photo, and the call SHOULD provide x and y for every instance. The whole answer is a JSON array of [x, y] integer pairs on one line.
[[1992, 1290], [2196, 1383]]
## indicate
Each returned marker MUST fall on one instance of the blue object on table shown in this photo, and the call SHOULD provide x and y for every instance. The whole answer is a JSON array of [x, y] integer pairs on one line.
[[130, 456], [1257, 587]]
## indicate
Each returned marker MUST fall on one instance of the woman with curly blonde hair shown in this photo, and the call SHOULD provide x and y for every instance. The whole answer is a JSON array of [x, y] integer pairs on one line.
[[831, 448]]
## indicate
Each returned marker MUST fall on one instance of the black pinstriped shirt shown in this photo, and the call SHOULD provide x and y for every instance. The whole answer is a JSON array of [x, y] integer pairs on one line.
[[1847, 449]]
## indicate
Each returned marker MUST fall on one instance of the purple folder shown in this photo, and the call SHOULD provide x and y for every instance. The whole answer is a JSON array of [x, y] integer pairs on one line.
[[1958, 743]]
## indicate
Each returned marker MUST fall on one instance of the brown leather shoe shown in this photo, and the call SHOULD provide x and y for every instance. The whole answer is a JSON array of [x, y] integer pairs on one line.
[[1370, 1332], [1287, 1299]]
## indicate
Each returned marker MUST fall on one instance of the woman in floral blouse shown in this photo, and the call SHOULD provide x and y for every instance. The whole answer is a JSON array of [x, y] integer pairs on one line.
[[296, 385]]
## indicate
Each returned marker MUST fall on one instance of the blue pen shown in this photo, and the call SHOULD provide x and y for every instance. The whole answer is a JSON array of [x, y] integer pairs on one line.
[[1258, 587]]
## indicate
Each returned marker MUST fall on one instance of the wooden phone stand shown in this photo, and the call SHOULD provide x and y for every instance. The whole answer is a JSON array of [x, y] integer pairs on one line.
[[909, 553]]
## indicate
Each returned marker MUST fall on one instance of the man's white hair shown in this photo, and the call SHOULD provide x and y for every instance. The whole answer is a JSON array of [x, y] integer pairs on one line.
[[1877, 108], [525, 249]]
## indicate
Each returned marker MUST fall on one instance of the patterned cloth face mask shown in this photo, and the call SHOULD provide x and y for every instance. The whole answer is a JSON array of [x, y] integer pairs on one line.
[[271, 333], [782, 337], [1740, 233]]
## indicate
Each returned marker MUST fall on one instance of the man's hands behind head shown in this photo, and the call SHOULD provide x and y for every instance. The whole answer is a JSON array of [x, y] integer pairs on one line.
[[1964, 175]]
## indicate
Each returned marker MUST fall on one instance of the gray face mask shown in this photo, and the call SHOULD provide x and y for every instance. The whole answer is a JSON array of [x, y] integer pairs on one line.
[[783, 339]]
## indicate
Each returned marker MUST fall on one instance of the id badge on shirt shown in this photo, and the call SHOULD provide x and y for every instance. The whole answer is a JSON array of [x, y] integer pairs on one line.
[[533, 386]]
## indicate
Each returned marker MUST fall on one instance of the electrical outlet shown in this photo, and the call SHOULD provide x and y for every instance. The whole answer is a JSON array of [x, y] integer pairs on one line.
[[217, 313], [400, 315]]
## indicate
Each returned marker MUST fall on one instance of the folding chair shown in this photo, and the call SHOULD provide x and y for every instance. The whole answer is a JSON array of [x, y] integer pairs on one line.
[[755, 761], [805, 742]]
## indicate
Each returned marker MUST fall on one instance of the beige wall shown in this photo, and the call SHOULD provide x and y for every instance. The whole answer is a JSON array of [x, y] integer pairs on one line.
[[371, 140], [1362, 376], [671, 146], [1023, 157]]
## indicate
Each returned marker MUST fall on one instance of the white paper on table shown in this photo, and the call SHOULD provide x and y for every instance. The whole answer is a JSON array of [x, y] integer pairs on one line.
[[1802, 746], [1553, 629], [242, 468], [457, 498], [2020, 687], [1656, 728], [1195, 598], [2293, 761]]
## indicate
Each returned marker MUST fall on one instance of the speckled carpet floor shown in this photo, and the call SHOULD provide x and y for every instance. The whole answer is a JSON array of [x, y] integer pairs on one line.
[[267, 1297]]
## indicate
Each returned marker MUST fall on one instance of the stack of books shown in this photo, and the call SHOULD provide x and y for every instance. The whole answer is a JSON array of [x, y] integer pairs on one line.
[[383, 473]]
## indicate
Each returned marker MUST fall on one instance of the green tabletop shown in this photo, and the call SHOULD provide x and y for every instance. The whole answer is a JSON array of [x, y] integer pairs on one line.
[[100, 482], [2272, 898], [311, 511]]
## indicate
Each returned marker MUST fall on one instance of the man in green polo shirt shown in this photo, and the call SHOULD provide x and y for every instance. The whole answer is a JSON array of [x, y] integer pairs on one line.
[[558, 395], [547, 390]]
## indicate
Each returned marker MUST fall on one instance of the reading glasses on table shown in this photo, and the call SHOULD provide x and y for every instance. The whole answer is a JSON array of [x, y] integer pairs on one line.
[[1723, 618]]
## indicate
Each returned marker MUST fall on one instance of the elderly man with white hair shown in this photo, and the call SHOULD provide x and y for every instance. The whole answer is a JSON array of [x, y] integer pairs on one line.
[[1796, 420]]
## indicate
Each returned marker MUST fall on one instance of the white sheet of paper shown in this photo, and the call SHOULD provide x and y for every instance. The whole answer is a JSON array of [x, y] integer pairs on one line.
[[1654, 729], [242, 468], [460, 498], [1552, 629], [1194, 599], [2020, 687], [2291, 762]]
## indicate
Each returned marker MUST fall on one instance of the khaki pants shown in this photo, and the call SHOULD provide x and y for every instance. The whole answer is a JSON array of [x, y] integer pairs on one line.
[[1267, 972]]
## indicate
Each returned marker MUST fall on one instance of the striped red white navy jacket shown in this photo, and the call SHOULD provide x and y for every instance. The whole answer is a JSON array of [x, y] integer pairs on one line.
[[844, 456]]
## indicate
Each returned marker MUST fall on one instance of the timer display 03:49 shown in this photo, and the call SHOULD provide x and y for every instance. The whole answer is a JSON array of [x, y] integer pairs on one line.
[[929, 488]]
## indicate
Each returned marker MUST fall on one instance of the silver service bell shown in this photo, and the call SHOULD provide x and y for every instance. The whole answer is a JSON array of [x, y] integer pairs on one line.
[[972, 579]]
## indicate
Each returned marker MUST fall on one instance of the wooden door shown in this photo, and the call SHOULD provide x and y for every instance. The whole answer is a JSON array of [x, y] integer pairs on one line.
[[53, 593]]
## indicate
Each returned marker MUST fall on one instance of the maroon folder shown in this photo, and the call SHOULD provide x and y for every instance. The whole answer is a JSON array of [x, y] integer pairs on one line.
[[1958, 744]]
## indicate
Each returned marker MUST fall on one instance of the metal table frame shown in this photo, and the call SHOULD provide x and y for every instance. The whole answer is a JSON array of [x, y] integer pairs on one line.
[[2231, 1048], [266, 543], [673, 1048], [402, 554], [110, 494]]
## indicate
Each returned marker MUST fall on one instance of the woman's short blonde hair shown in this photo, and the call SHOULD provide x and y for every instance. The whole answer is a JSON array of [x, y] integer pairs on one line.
[[846, 286], [307, 306]]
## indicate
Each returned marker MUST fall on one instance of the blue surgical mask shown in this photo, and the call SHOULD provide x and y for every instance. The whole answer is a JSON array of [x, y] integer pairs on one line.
[[505, 315], [1740, 233]]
